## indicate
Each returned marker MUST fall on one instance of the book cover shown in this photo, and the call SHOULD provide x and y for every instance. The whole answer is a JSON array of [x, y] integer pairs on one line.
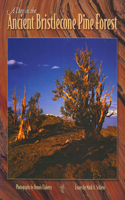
[[62, 100]]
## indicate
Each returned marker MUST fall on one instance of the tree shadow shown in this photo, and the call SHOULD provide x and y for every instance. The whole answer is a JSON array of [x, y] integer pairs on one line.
[[57, 129]]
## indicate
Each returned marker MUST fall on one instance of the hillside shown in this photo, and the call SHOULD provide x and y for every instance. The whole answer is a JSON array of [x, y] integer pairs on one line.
[[59, 152]]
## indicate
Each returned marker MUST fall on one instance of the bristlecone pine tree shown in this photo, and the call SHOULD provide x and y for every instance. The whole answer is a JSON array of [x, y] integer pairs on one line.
[[83, 94], [15, 98], [36, 117], [21, 134]]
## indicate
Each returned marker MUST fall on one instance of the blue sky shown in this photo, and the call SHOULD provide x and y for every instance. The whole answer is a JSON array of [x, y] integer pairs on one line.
[[37, 62]]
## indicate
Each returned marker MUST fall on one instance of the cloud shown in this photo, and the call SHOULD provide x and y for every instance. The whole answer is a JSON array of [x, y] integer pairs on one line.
[[113, 107], [55, 67], [114, 104], [115, 113], [45, 65], [20, 63], [13, 64]]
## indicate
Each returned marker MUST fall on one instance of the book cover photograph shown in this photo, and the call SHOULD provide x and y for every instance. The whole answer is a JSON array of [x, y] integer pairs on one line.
[[68, 138], [62, 97]]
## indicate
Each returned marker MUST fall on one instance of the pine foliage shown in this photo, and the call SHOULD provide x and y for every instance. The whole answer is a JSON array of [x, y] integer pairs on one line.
[[83, 93]]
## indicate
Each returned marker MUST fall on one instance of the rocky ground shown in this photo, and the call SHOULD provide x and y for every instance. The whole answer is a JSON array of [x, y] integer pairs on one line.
[[59, 152]]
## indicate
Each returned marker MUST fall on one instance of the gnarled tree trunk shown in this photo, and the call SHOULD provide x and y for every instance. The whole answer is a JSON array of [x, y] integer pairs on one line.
[[21, 134]]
